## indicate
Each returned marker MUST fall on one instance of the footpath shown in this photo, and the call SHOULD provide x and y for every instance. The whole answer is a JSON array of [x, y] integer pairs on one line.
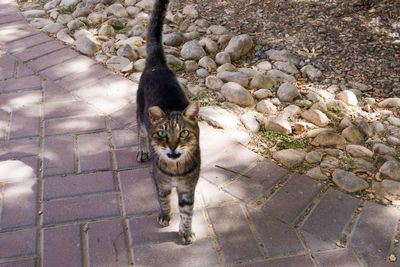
[[72, 193]]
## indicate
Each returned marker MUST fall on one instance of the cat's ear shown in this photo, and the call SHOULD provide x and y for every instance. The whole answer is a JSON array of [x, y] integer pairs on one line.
[[192, 110], [156, 113]]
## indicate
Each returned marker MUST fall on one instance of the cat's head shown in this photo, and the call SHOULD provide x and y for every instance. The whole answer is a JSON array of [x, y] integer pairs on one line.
[[174, 137]]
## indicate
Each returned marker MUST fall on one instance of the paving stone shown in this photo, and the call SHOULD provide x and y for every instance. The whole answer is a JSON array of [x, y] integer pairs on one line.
[[106, 244], [138, 192], [80, 208], [19, 148], [211, 194], [262, 178], [74, 65], [14, 170], [125, 115], [17, 100], [7, 67], [17, 243], [277, 237], [316, 242], [75, 185], [374, 229], [232, 231], [293, 261], [20, 45], [38, 50], [331, 215], [126, 158], [54, 92], [25, 122], [65, 253], [337, 257], [23, 71], [373, 261], [58, 155], [74, 125], [171, 254], [124, 138], [19, 29], [20, 263], [289, 202], [52, 59], [94, 152], [25, 83], [66, 109], [18, 204]]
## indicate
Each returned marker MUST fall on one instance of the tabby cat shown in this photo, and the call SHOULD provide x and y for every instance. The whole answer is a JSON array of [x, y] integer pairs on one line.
[[168, 129]]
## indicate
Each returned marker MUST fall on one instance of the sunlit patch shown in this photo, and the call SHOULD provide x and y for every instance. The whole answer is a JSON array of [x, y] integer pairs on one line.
[[11, 170]]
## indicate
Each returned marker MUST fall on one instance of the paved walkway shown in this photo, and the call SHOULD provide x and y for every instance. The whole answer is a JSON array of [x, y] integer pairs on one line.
[[72, 194]]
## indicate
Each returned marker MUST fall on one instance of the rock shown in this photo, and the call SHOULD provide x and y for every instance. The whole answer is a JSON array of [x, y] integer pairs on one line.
[[363, 126], [117, 10], [120, 63], [289, 157], [348, 181], [207, 63], [329, 139], [280, 76], [311, 72], [210, 45], [249, 121], [262, 81], [218, 117], [394, 121], [86, 46], [106, 30], [95, 18], [236, 94], [75, 24], [348, 97], [173, 39], [392, 140], [40, 22], [301, 126], [237, 77], [266, 107], [264, 66], [191, 65], [391, 187], [353, 135], [290, 110], [287, 92], [240, 136], [344, 123], [361, 163], [217, 30], [194, 89], [314, 157], [262, 93], [190, 11], [358, 151], [316, 117], [222, 58], [128, 52], [239, 46], [134, 41], [146, 4], [227, 67], [51, 4], [213, 83], [52, 28], [329, 162], [277, 124], [202, 72], [382, 149], [315, 132], [192, 50], [391, 169], [282, 55], [30, 14], [65, 37], [287, 67], [139, 65], [378, 127], [390, 103], [316, 173], [249, 72], [64, 19], [81, 12], [321, 106], [68, 3]]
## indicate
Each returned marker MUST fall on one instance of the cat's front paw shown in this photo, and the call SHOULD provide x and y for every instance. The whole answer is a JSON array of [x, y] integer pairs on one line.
[[142, 156], [164, 220], [187, 238]]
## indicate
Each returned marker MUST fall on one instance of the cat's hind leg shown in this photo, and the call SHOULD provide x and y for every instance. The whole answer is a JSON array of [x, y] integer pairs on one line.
[[144, 150]]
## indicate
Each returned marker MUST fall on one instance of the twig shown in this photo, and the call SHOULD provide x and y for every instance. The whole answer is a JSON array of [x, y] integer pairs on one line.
[[232, 171]]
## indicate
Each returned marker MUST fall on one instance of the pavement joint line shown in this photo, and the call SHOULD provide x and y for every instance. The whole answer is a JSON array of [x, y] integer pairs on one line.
[[213, 235], [42, 69], [83, 227], [344, 237], [358, 257], [253, 231]]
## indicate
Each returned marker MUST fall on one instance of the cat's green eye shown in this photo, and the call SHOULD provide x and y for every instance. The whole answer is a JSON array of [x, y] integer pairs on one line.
[[184, 134], [162, 134]]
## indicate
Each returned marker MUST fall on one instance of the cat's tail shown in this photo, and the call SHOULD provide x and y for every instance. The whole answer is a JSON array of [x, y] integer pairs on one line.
[[154, 48]]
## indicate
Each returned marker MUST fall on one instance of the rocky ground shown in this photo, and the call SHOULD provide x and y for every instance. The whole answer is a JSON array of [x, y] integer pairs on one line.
[[313, 85]]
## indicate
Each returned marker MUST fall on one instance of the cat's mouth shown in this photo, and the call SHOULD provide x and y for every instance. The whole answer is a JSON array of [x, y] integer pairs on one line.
[[174, 155]]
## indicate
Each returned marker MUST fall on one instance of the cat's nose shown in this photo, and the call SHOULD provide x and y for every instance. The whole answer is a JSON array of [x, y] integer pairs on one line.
[[172, 147]]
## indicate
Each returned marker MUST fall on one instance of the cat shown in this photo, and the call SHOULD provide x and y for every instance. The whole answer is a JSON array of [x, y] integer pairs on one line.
[[168, 130]]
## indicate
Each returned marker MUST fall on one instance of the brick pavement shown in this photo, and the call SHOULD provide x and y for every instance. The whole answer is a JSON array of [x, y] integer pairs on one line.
[[72, 194]]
